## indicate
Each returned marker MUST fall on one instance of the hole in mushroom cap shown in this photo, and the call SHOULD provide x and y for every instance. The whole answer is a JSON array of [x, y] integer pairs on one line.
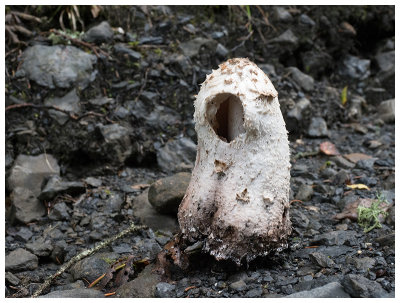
[[225, 115]]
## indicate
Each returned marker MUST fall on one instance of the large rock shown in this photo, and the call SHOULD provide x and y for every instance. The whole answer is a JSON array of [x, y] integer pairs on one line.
[[330, 290], [355, 68], [317, 128], [386, 111], [70, 103], [99, 33], [360, 287], [30, 171], [56, 186], [177, 155], [143, 286], [166, 194], [191, 48], [20, 260], [75, 293], [26, 207], [58, 66]]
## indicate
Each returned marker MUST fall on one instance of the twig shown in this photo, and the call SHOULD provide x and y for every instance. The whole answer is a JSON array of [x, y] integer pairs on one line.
[[94, 48], [84, 254], [143, 86]]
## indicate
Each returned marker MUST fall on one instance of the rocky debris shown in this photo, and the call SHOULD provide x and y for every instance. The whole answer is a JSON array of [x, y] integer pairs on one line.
[[11, 279], [20, 260], [70, 103], [56, 186], [121, 48], [317, 128], [337, 237], [191, 48], [177, 155], [99, 33], [303, 80], [355, 68], [162, 117], [164, 290], [166, 194], [40, 249], [386, 111], [304, 192], [362, 264], [295, 115], [144, 286], [286, 38], [282, 14], [385, 61], [117, 146], [75, 293], [59, 212], [321, 260], [238, 286], [360, 287], [330, 290], [58, 66]]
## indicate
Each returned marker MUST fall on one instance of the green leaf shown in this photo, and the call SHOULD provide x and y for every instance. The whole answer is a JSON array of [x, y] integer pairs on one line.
[[344, 95]]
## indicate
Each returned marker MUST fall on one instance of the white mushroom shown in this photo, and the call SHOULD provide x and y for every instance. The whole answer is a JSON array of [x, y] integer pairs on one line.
[[238, 197]]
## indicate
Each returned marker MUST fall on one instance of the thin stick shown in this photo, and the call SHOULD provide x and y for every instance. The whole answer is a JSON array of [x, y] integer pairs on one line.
[[85, 254]]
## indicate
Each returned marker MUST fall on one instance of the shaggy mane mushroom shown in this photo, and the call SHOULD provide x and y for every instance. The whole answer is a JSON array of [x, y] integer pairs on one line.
[[237, 201]]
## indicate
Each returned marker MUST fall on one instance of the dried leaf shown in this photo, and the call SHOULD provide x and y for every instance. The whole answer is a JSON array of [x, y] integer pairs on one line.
[[123, 275], [328, 148], [355, 157], [358, 186], [348, 28]]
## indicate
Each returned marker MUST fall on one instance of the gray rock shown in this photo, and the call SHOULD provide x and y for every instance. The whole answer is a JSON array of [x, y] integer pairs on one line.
[[93, 267], [93, 182], [386, 111], [99, 33], [101, 100], [321, 260], [70, 103], [283, 14], [40, 249], [26, 207], [342, 162], [56, 186], [164, 290], [254, 293], [221, 50], [191, 48], [20, 260], [59, 212], [386, 240], [24, 234], [298, 218], [238, 286], [75, 293], [150, 217], [142, 287], [58, 66], [117, 143], [177, 155], [305, 192], [268, 69], [362, 264], [124, 50], [330, 290], [151, 40], [337, 237], [286, 38], [317, 128], [355, 67], [385, 61], [30, 171], [114, 202], [162, 117], [360, 287], [300, 107], [304, 19], [303, 80], [11, 279], [316, 62], [166, 194]]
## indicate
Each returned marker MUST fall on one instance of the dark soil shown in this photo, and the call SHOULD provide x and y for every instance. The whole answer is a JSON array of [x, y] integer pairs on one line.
[[151, 100]]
